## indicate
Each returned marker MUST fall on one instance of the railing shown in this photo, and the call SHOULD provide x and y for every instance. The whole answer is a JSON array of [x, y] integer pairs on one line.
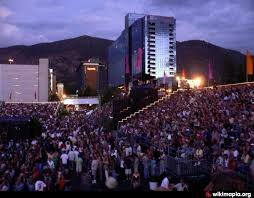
[[185, 167], [146, 106]]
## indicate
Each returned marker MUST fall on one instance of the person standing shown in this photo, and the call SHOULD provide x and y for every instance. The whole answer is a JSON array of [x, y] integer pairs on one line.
[[162, 163], [40, 185], [127, 164], [64, 157], [136, 164], [71, 157], [135, 180], [146, 166], [94, 167], [79, 163]]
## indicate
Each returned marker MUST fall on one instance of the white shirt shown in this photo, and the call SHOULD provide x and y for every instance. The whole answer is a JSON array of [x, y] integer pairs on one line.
[[95, 164], [44, 135], [226, 163], [39, 185], [165, 183], [226, 152], [51, 164], [34, 142], [122, 164], [71, 155], [64, 158], [139, 148], [126, 151], [180, 187], [68, 147], [235, 153], [76, 154], [130, 150]]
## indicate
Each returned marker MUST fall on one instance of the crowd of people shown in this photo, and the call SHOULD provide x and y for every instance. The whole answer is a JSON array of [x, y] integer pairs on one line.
[[212, 124], [77, 152], [51, 161]]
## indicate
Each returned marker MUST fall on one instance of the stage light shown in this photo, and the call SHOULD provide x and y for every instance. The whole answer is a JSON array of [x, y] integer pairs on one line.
[[197, 82]]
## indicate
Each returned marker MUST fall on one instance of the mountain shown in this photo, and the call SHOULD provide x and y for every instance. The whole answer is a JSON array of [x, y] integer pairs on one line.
[[65, 56], [194, 56]]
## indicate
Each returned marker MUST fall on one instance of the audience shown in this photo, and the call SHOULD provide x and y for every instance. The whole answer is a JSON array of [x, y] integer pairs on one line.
[[216, 125]]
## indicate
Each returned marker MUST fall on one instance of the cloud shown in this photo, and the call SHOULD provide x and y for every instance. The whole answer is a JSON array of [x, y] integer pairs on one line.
[[4, 12], [8, 29], [228, 23]]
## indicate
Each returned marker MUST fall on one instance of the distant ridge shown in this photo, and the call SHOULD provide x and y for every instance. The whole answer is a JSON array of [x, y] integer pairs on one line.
[[65, 56]]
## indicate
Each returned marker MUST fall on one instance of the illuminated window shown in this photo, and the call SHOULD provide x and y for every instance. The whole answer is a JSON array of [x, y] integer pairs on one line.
[[91, 68]]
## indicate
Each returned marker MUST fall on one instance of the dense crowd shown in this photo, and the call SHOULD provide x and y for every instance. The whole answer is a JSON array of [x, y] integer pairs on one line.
[[212, 124], [66, 147], [76, 151]]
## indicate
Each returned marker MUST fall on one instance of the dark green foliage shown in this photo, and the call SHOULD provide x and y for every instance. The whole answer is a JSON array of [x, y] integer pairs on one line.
[[108, 94], [36, 127], [53, 97]]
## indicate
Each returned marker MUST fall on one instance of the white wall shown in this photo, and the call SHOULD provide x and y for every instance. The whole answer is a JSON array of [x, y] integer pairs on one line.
[[19, 83], [43, 80]]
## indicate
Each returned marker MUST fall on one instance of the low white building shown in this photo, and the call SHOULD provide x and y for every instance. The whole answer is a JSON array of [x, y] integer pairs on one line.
[[24, 83]]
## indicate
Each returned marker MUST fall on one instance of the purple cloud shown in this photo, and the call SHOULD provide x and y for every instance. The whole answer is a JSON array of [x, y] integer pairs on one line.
[[227, 23]]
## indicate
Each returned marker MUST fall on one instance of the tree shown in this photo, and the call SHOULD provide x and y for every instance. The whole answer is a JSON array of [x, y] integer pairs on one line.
[[36, 127], [62, 112], [108, 94], [87, 92], [53, 97]]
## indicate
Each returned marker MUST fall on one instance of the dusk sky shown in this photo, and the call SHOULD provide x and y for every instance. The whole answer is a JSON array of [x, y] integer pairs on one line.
[[227, 23]]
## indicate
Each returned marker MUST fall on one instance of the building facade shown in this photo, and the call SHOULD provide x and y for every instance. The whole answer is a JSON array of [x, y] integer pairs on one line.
[[24, 83], [117, 55], [94, 75], [148, 48]]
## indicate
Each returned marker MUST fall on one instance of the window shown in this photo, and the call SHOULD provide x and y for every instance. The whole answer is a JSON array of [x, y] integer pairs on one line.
[[151, 28]]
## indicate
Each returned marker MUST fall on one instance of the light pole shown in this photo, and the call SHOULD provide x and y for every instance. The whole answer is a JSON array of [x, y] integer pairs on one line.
[[10, 61]]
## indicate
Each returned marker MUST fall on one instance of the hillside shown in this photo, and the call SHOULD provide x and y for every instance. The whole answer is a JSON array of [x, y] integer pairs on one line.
[[228, 65], [65, 55]]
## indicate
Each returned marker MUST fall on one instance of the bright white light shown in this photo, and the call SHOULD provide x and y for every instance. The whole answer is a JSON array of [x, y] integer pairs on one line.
[[197, 82], [11, 60]]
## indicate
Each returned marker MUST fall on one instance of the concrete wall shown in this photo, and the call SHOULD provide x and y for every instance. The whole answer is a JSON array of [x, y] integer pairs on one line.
[[24, 83], [19, 83], [43, 80]]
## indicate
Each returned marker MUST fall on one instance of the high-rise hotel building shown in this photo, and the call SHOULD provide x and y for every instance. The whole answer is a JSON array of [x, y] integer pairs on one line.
[[147, 46]]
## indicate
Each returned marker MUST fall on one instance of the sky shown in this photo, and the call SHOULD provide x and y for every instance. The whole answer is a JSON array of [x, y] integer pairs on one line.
[[226, 23]]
